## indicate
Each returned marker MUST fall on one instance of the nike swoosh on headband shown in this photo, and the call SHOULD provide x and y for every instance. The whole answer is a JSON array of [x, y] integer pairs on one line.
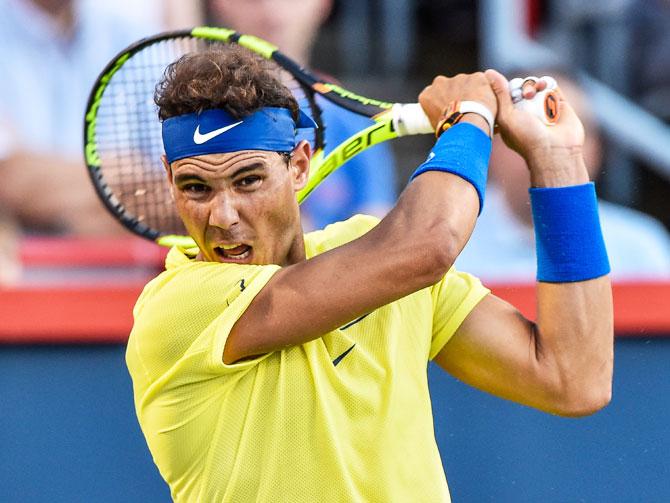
[[200, 138]]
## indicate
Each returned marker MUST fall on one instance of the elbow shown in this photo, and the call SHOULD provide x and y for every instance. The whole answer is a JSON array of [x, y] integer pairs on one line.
[[440, 247], [439, 256], [446, 255], [427, 245], [585, 402]]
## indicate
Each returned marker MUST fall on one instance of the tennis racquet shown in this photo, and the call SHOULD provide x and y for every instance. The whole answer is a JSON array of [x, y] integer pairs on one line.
[[122, 133]]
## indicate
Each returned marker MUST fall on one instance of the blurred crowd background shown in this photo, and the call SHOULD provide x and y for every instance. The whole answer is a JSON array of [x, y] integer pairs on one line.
[[67, 426], [614, 54]]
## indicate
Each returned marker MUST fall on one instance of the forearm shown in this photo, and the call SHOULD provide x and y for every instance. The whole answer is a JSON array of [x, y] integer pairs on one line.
[[574, 339], [426, 230], [574, 323], [416, 243], [562, 363], [66, 198], [557, 167], [410, 249]]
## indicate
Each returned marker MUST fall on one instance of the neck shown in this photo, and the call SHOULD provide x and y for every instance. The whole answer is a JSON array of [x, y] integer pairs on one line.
[[296, 252]]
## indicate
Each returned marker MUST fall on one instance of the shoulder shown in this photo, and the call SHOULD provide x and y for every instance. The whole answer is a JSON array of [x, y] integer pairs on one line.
[[182, 268], [457, 285], [190, 309], [194, 296], [192, 286], [338, 234], [453, 299]]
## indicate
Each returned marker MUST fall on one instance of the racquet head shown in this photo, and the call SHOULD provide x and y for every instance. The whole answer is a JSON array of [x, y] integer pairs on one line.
[[122, 135]]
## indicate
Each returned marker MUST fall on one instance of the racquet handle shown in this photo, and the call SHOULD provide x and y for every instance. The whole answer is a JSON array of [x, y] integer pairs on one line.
[[410, 119]]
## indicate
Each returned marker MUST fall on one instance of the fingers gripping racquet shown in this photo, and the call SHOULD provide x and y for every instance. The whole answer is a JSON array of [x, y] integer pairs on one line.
[[545, 103], [122, 133]]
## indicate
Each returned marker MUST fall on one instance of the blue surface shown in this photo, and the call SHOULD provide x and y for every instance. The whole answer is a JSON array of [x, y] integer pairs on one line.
[[68, 430], [495, 450], [68, 433]]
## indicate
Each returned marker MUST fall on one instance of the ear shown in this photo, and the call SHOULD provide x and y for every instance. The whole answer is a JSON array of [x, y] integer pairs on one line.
[[299, 164], [168, 172]]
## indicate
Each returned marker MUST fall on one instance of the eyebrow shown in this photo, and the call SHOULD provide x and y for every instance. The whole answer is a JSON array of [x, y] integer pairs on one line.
[[191, 177], [251, 167], [187, 177]]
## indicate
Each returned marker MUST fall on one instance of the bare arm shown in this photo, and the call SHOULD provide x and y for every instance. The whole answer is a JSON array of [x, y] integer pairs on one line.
[[563, 363], [411, 248], [52, 191], [10, 266]]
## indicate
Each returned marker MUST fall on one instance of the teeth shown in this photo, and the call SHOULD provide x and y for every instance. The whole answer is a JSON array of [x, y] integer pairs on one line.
[[230, 247]]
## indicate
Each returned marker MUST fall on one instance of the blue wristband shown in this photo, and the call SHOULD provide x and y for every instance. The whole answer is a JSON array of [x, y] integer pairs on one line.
[[568, 238], [463, 150]]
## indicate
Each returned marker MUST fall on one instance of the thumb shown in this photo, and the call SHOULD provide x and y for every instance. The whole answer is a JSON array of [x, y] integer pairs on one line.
[[500, 87]]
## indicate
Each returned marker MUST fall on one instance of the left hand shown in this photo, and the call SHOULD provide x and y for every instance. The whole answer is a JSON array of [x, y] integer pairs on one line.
[[527, 134]]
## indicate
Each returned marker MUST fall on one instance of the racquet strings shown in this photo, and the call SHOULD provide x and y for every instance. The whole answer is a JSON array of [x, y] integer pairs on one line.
[[129, 142]]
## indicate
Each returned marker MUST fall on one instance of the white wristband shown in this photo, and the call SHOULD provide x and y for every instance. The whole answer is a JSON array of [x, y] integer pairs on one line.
[[474, 107], [455, 111]]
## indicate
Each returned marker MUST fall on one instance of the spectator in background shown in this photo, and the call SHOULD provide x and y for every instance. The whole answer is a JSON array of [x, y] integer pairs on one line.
[[650, 55], [52, 51], [365, 184], [638, 245], [10, 268]]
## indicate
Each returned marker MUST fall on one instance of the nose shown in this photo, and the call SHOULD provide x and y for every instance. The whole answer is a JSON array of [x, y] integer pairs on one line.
[[224, 213]]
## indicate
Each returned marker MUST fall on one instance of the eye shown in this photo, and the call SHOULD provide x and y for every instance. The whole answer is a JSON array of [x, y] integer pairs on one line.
[[249, 181], [195, 188]]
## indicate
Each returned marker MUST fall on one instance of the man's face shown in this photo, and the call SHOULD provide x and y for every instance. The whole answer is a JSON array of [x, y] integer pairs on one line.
[[241, 207]]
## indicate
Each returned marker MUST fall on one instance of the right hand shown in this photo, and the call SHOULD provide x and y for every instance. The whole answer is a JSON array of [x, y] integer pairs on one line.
[[435, 98]]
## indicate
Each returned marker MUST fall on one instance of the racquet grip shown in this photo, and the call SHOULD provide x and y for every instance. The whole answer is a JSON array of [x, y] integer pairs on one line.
[[410, 119]]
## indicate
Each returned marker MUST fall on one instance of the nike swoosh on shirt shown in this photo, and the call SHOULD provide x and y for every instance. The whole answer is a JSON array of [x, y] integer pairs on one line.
[[357, 320], [339, 358], [200, 138]]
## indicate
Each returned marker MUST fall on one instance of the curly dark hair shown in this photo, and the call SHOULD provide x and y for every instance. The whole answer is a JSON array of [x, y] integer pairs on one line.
[[228, 77]]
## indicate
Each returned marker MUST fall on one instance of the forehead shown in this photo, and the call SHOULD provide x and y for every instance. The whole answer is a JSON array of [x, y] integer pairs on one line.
[[225, 163]]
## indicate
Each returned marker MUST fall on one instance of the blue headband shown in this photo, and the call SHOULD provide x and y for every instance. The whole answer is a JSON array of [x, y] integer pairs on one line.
[[216, 131]]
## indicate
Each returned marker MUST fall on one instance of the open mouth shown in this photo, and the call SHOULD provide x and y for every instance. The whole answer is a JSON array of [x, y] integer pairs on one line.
[[235, 252]]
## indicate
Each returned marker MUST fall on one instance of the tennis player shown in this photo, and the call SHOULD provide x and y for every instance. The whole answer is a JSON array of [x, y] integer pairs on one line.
[[277, 366]]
